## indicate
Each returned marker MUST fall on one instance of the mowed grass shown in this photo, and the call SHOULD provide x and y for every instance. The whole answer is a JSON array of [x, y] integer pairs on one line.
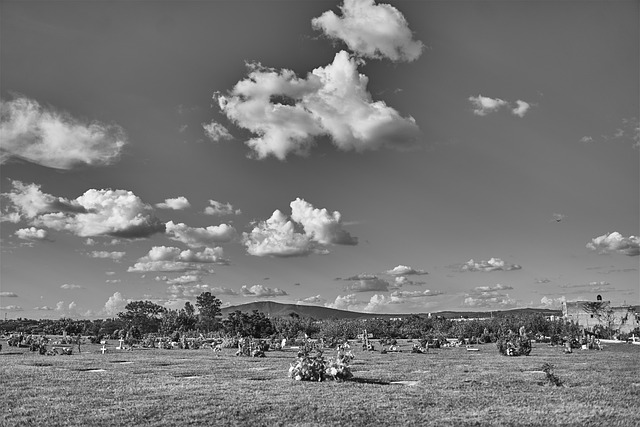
[[449, 386]]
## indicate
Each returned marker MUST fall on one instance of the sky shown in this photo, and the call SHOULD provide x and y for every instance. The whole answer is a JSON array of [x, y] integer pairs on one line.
[[410, 157]]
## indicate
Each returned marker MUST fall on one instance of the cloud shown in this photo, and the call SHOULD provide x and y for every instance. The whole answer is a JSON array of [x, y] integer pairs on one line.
[[483, 105], [115, 304], [552, 303], [494, 264], [197, 237], [116, 256], [113, 281], [378, 302], [179, 203], [222, 290], [361, 276], [116, 213], [31, 233], [185, 279], [11, 308], [542, 280], [68, 286], [615, 243], [216, 132], [316, 299], [186, 290], [346, 302], [219, 209], [286, 112], [172, 259], [8, 295], [404, 270], [368, 285], [490, 297], [28, 202], [371, 30], [261, 291], [55, 139], [44, 308], [521, 109], [161, 266], [415, 294], [400, 281], [320, 225], [278, 237], [628, 131]]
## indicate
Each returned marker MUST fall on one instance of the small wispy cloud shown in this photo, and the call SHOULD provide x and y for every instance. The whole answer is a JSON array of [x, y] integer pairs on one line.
[[484, 105]]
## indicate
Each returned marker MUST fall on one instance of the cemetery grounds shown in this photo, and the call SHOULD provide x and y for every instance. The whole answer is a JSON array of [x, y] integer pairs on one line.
[[446, 386]]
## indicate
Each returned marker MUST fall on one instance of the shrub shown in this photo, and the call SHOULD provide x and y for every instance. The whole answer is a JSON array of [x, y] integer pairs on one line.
[[552, 378]]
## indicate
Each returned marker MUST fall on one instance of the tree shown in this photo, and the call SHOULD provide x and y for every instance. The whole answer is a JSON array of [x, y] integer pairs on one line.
[[187, 320], [144, 315], [601, 311], [209, 308]]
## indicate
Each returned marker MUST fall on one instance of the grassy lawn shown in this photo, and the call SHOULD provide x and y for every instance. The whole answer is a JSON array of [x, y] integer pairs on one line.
[[449, 386]]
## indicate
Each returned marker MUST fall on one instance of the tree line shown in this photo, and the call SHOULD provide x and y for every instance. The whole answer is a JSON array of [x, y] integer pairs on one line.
[[141, 318]]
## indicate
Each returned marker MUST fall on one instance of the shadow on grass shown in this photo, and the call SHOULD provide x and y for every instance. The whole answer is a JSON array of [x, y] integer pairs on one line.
[[13, 353], [367, 381]]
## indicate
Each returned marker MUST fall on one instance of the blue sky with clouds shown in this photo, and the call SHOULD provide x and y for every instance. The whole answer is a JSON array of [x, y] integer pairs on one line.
[[404, 157]]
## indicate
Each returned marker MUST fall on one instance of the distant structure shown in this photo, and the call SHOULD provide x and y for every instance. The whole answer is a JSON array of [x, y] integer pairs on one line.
[[599, 313]]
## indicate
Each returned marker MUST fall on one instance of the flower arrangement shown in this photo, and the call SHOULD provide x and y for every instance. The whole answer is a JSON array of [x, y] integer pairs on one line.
[[250, 347], [514, 345], [317, 368]]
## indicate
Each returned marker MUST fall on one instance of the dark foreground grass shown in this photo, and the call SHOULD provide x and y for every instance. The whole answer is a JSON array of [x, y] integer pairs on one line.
[[198, 387]]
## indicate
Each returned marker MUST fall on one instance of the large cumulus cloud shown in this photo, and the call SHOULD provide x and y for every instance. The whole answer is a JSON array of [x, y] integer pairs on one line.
[[615, 243], [55, 139], [309, 230], [286, 112], [117, 213], [371, 30]]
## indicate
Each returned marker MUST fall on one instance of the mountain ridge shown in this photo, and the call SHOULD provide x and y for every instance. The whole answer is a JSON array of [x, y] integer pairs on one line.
[[277, 309]]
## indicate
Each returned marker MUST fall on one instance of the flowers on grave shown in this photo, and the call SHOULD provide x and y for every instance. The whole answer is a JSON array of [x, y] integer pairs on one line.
[[316, 368], [251, 347], [514, 345]]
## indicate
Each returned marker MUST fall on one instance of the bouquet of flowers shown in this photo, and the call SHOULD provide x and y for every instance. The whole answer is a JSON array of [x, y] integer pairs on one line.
[[317, 368]]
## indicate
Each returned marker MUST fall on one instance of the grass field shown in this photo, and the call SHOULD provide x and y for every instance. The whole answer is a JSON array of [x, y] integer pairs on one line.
[[449, 386]]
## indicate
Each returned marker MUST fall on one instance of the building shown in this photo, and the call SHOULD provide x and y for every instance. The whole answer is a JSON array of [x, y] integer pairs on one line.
[[591, 314]]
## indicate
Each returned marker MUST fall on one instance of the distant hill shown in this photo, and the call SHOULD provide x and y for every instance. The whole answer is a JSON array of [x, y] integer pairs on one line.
[[276, 309]]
